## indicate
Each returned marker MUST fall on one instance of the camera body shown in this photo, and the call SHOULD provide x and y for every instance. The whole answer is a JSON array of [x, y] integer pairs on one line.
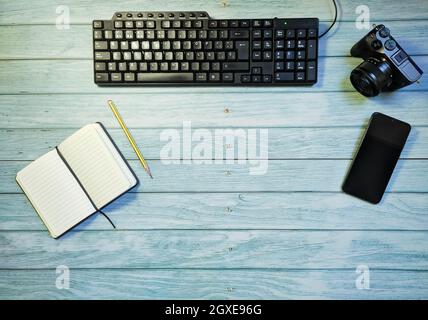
[[386, 66]]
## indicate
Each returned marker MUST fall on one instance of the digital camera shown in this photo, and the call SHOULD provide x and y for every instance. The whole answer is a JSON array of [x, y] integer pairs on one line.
[[386, 66]]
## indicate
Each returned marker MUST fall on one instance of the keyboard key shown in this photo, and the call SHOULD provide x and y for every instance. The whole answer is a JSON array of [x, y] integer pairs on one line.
[[279, 55], [116, 77], [257, 55], [257, 23], [301, 33], [312, 49], [239, 34], [98, 34], [256, 70], [289, 65], [244, 23], [279, 66], [97, 24], [243, 49], [257, 34], [257, 45], [111, 66], [165, 77], [201, 77], [267, 78], [301, 44], [101, 77], [267, 34], [311, 71], [108, 34], [267, 44], [150, 24], [284, 76], [214, 77], [227, 77], [245, 78], [312, 33], [100, 45], [289, 55], [279, 44], [215, 66], [233, 24], [129, 77], [267, 23], [100, 66], [290, 34], [267, 55], [166, 24], [102, 55], [236, 66], [300, 66], [279, 34]]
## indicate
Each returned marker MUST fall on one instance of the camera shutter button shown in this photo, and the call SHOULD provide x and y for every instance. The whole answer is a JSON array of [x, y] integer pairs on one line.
[[390, 44], [384, 32]]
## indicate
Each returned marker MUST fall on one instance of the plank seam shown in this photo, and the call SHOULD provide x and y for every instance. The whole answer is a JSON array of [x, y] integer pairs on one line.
[[216, 269], [243, 192]]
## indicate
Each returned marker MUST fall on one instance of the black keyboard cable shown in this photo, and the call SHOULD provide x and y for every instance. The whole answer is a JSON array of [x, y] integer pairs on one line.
[[334, 20]]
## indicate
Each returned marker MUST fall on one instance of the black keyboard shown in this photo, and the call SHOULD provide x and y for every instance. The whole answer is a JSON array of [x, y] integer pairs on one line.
[[190, 48]]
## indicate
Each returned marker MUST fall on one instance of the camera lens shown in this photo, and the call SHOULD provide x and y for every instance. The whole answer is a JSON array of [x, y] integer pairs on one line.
[[371, 76]]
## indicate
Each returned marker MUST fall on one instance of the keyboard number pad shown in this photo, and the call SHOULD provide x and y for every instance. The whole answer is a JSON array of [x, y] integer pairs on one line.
[[295, 55]]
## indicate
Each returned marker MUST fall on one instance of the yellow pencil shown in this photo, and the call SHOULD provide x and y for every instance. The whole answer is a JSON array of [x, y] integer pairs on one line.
[[129, 136]]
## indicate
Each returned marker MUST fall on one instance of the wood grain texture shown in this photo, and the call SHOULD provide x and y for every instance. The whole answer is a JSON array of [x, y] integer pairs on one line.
[[215, 249], [244, 109], [232, 211], [282, 175], [283, 143], [15, 12], [79, 40], [76, 76], [213, 284]]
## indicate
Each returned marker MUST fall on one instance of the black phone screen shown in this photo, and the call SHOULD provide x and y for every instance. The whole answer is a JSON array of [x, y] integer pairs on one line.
[[376, 158]]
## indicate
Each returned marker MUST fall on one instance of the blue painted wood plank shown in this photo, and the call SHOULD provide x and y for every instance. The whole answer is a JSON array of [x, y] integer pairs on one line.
[[232, 211], [215, 249], [282, 175], [283, 143], [213, 284], [20, 12], [240, 109]]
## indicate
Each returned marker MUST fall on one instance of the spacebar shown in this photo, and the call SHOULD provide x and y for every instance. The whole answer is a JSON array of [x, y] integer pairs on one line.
[[165, 77]]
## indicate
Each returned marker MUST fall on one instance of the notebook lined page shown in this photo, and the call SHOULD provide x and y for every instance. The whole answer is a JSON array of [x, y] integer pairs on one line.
[[54, 193], [112, 149], [95, 166]]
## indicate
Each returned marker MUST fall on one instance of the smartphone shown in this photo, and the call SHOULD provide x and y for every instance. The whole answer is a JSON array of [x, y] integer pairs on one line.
[[376, 158]]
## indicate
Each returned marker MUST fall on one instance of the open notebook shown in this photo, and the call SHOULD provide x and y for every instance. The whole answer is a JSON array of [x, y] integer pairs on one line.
[[76, 179]]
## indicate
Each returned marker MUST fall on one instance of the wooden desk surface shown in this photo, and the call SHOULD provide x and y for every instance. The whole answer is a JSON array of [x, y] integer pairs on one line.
[[214, 231]]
